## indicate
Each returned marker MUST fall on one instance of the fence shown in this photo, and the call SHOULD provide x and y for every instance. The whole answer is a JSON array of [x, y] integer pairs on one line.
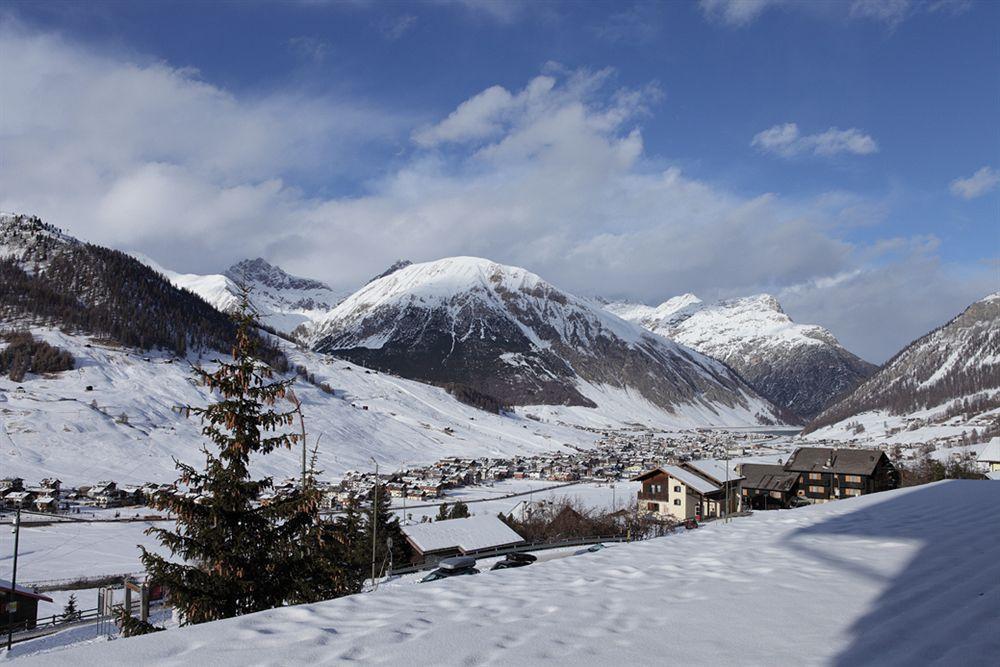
[[79, 583]]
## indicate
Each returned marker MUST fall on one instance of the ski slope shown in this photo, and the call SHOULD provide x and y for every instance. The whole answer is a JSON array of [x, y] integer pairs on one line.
[[898, 578]]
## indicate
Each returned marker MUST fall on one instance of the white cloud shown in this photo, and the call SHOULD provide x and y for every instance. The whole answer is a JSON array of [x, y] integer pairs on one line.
[[310, 48], [740, 13], [552, 176], [984, 180], [736, 12], [786, 141]]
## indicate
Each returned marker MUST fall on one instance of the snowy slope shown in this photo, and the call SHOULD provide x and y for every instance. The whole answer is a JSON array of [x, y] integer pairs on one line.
[[800, 367], [507, 334], [898, 578], [48, 426], [284, 301], [936, 388]]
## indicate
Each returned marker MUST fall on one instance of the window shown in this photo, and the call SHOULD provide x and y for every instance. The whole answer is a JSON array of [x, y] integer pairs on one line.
[[815, 475], [677, 489], [776, 494], [677, 501], [852, 492], [853, 479], [653, 507], [817, 489]]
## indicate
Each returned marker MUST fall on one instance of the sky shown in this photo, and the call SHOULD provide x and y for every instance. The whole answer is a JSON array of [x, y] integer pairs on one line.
[[843, 156]]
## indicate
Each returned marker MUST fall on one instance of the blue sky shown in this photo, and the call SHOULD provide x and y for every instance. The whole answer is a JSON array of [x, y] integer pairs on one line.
[[841, 155]]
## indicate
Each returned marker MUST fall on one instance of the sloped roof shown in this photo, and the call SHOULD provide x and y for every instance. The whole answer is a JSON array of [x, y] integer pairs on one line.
[[991, 452], [699, 484], [768, 477], [20, 590], [844, 461], [714, 470], [471, 534]]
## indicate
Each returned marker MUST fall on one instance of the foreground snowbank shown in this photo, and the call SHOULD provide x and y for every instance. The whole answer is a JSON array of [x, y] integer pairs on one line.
[[903, 577]]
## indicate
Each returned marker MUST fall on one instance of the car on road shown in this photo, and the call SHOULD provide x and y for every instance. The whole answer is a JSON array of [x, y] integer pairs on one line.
[[455, 566]]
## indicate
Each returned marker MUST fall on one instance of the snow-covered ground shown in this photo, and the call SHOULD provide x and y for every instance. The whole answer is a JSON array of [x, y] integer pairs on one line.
[[74, 550], [898, 578], [50, 427], [126, 427], [491, 500]]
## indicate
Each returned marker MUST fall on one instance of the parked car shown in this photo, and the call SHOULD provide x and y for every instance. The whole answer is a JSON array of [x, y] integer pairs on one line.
[[456, 566], [515, 560], [593, 548]]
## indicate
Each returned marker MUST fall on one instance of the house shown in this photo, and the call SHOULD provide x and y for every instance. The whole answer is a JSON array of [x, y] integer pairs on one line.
[[19, 499], [991, 457], [23, 610], [46, 504], [721, 473], [826, 474], [679, 493], [8, 484], [459, 537], [767, 486]]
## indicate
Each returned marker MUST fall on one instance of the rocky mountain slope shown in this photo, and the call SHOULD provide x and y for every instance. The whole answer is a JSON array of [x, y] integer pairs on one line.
[[502, 332], [283, 301], [48, 277], [801, 368], [945, 382]]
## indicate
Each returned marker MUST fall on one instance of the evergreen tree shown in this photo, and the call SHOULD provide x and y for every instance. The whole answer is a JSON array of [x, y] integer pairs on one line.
[[460, 510], [387, 531], [70, 612], [241, 556], [443, 513]]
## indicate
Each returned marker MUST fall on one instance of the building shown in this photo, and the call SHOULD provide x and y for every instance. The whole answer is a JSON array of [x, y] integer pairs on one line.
[[826, 474], [459, 537], [683, 493], [991, 457], [767, 486], [24, 614]]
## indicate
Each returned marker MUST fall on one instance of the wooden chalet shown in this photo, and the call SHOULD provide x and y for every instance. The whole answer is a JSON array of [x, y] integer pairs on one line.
[[18, 607], [767, 486], [826, 474]]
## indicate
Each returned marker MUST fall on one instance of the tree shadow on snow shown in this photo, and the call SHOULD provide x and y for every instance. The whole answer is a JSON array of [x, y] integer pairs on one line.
[[944, 605]]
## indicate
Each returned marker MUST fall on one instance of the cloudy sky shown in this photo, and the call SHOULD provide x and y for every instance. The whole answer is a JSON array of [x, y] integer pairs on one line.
[[844, 156]]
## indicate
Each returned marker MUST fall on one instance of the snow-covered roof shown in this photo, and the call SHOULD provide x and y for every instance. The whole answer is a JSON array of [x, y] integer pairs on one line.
[[5, 587], [991, 452], [697, 483], [715, 469], [468, 535]]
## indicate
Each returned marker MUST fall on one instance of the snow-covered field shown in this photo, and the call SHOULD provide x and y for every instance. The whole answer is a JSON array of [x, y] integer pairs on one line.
[[490, 500], [49, 427], [73, 550], [898, 578]]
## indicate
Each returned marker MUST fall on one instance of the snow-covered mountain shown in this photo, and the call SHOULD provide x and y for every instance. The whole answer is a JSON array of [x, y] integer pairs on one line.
[[503, 332], [283, 301], [801, 368], [938, 387], [49, 277]]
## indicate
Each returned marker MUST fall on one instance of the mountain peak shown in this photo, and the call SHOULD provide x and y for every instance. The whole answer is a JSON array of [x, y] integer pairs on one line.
[[396, 266], [262, 272]]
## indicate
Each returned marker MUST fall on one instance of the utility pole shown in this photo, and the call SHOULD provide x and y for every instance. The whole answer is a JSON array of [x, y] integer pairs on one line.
[[374, 519], [13, 583]]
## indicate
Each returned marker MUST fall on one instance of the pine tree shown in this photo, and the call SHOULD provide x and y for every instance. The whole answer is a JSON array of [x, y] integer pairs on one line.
[[241, 556], [387, 531], [70, 612], [443, 513], [460, 510]]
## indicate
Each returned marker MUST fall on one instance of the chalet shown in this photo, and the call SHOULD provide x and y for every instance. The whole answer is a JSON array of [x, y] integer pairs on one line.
[[991, 457], [767, 486], [46, 504], [23, 610], [681, 493], [8, 484], [19, 499], [459, 537], [722, 474], [826, 474]]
